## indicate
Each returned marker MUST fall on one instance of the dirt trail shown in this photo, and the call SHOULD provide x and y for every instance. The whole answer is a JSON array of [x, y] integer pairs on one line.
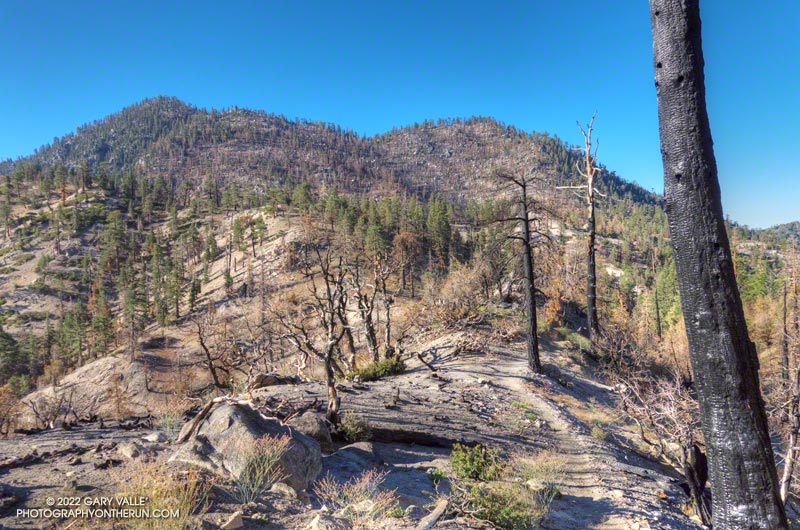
[[596, 493], [483, 398]]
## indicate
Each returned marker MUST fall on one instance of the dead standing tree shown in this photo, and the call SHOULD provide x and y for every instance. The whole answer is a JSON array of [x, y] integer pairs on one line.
[[220, 354], [588, 172], [365, 294], [523, 184], [383, 269], [316, 330], [744, 480], [790, 389]]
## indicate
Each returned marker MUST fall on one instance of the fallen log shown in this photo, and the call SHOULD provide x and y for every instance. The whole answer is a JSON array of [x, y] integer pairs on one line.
[[642, 472], [430, 520], [204, 412]]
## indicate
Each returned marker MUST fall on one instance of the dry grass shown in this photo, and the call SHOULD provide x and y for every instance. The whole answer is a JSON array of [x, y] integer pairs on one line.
[[359, 500], [546, 467], [168, 415], [260, 468], [184, 495]]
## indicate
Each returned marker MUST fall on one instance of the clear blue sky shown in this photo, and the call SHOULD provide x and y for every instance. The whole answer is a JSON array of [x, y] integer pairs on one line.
[[373, 65]]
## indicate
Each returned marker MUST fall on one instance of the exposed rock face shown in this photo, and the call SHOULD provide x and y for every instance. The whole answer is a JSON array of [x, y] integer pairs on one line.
[[312, 424], [229, 430], [234, 522], [110, 387]]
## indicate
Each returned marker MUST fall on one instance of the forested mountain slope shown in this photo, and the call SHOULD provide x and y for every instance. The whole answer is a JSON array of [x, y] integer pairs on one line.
[[166, 138]]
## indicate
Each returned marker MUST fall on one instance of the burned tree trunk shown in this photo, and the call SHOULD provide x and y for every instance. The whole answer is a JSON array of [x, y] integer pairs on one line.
[[695, 470], [591, 272], [744, 480], [530, 288], [655, 297], [365, 302], [785, 344], [589, 171], [332, 412], [523, 185]]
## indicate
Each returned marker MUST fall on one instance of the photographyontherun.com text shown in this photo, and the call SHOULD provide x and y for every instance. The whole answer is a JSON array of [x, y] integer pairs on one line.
[[96, 508]]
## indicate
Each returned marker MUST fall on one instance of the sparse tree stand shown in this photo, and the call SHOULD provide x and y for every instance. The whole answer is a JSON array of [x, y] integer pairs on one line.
[[744, 480], [791, 382], [327, 277], [588, 172], [524, 220]]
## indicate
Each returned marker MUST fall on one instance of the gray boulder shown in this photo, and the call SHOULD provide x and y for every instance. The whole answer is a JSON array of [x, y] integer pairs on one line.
[[351, 460], [312, 424], [229, 431]]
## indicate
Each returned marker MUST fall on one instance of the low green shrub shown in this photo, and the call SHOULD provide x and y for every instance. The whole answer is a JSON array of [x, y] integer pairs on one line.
[[23, 258], [374, 371], [43, 262], [354, 427], [505, 505], [33, 316], [437, 475], [598, 432], [476, 463], [577, 340]]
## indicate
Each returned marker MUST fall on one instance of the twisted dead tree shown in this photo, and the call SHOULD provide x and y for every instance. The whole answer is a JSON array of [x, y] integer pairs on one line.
[[744, 480], [316, 328], [365, 293]]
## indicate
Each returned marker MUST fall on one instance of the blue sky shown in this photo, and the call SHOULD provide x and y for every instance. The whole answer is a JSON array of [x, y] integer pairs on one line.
[[371, 66]]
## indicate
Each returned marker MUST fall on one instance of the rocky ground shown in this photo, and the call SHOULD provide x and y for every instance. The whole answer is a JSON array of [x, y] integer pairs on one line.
[[415, 417]]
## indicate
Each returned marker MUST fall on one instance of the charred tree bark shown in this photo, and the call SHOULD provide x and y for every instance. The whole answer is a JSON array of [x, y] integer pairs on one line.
[[589, 171], [212, 370], [365, 302], [534, 363], [523, 219], [388, 301], [695, 470], [332, 412], [744, 480]]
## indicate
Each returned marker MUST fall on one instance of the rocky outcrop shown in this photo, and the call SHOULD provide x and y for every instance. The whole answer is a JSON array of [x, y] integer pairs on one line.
[[230, 430], [111, 387]]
